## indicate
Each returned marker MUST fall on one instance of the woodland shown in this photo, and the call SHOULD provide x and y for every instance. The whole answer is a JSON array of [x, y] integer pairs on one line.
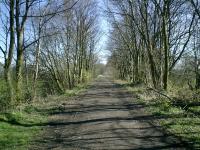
[[49, 49]]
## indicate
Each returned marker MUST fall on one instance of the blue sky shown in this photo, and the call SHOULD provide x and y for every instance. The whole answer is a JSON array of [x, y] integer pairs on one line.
[[2, 35], [104, 29]]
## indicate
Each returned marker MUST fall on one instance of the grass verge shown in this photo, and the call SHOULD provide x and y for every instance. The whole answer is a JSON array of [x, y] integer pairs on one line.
[[18, 128], [184, 123]]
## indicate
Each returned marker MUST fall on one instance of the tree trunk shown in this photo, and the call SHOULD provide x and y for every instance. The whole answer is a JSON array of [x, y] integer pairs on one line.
[[68, 74], [166, 45], [20, 23], [8, 61], [197, 72], [35, 76], [19, 65]]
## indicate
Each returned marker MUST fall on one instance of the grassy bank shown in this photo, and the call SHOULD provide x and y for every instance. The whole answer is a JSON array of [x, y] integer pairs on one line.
[[16, 130], [177, 116], [19, 127]]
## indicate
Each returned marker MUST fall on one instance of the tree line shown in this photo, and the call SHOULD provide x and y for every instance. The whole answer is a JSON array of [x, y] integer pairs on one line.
[[46, 47], [151, 39]]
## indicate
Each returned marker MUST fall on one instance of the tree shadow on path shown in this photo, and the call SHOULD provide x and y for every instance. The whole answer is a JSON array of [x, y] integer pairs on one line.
[[106, 117]]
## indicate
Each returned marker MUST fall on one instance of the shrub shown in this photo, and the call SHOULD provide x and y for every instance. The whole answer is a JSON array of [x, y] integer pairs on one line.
[[4, 96]]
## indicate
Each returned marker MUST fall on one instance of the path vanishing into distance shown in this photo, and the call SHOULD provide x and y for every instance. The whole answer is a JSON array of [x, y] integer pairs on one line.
[[105, 117]]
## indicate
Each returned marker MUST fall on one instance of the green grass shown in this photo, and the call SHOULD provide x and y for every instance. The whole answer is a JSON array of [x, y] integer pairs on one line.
[[185, 127], [174, 119], [18, 128], [76, 90], [23, 117], [195, 109], [16, 137]]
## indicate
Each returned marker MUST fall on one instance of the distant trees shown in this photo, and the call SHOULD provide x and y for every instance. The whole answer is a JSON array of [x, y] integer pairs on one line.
[[150, 37], [196, 44], [69, 56]]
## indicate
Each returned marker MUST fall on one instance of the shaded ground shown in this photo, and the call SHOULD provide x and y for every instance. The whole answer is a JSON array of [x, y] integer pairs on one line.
[[105, 117]]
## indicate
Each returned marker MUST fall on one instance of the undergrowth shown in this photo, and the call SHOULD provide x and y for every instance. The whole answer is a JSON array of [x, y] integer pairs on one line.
[[177, 115], [20, 126]]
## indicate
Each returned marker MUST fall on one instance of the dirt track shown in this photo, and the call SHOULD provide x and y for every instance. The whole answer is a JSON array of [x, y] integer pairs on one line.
[[105, 117]]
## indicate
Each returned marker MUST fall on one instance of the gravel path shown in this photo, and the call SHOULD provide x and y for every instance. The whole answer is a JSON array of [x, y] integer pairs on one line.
[[105, 117]]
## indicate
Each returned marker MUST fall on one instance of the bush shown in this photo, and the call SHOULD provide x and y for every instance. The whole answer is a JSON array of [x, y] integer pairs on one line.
[[4, 96]]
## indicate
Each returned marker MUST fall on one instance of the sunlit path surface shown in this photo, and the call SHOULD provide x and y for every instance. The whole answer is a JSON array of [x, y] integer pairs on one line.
[[105, 117]]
